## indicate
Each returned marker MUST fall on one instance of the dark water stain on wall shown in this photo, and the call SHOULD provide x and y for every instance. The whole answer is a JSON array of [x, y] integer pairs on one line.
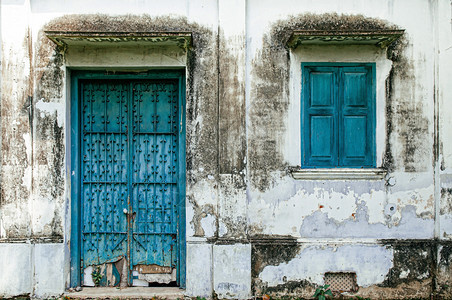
[[15, 118], [232, 127], [413, 260], [446, 201], [48, 134], [444, 273], [406, 122], [272, 251]]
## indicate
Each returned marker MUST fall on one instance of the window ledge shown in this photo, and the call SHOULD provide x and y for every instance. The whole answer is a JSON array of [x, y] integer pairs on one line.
[[338, 174]]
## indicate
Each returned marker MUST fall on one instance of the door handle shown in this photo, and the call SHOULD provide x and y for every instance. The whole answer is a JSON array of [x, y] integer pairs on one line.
[[125, 211]]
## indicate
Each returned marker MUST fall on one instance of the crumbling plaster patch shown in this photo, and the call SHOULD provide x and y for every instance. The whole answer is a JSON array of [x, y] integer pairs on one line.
[[51, 108], [333, 208], [201, 209]]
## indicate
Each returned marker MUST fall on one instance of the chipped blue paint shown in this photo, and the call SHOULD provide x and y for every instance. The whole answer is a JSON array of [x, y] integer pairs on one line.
[[128, 170]]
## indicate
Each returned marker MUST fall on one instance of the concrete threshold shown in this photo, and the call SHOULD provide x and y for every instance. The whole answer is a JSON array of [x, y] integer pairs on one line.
[[127, 293]]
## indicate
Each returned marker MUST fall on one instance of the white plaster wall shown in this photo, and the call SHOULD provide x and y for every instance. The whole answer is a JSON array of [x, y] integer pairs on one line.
[[126, 56], [16, 265], [199, 270], [34, 269], [232, 271], [48, 270]]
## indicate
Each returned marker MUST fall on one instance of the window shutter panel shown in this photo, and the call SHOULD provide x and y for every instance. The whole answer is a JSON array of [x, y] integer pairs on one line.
[[356, 117], [319, 124]]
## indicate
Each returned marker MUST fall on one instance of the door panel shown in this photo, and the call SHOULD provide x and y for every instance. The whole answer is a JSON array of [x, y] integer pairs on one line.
[[129, 179], [155, 173]]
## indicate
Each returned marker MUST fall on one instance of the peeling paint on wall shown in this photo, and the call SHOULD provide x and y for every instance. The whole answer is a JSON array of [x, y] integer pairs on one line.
[[393, 232]]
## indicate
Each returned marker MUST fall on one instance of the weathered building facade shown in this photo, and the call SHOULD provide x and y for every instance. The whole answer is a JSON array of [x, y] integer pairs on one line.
[[236, 148]]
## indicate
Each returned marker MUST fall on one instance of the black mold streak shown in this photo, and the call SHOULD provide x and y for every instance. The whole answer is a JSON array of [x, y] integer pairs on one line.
[[48, 135], [272, 251], [232, 139], [409, 255], [15, 124], [446, 201], [405, 119]]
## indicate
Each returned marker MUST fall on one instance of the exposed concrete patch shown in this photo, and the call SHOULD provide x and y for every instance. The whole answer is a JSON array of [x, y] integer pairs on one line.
[[273, 252], [413, 261]]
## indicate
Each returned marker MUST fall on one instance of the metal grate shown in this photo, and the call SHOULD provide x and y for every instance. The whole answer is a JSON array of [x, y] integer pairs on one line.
[[341, 282]]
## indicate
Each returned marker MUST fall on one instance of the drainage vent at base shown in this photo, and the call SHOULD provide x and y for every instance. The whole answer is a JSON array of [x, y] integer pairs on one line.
[[341, 281]]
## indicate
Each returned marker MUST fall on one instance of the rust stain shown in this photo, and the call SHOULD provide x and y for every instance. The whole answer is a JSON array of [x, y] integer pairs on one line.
[[153, 269]]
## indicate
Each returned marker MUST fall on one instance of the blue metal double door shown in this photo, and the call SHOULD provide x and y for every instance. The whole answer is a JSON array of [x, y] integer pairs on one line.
[[129, 185]]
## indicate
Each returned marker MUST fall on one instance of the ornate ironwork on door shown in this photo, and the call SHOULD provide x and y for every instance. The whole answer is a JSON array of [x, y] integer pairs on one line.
[[129, 180]]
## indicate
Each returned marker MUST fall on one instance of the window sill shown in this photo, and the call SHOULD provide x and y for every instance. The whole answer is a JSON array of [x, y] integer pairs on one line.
[[338, 174]]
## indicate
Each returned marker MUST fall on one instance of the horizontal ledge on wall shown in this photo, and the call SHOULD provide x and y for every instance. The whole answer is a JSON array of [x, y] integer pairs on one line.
[[79, 38], [339, 174], [33, 240], [381, 38]]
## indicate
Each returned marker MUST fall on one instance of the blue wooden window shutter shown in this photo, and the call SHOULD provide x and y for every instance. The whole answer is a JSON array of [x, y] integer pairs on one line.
[[338, 115]]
